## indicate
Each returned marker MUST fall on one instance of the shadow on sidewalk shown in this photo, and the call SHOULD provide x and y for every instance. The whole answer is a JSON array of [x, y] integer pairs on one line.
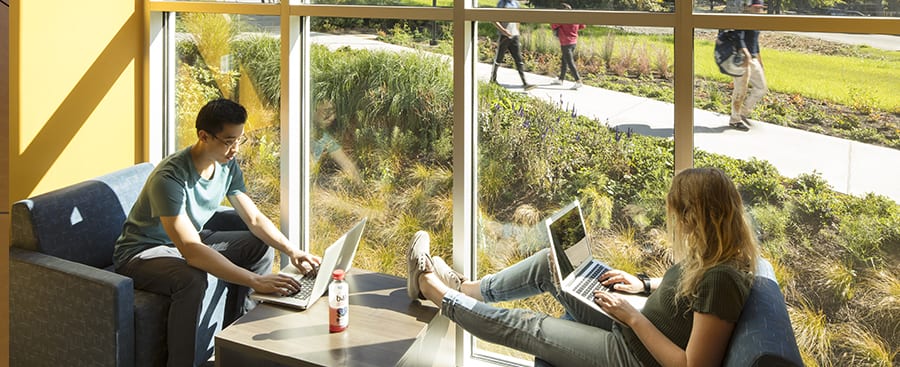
[[668, 132]]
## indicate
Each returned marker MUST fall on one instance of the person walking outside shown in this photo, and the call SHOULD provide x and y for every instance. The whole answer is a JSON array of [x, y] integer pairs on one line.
[[750, 87], [568, 37], [509, 40]]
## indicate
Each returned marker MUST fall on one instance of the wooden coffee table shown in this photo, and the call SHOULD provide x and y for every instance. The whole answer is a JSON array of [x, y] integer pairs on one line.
[[384, 324]]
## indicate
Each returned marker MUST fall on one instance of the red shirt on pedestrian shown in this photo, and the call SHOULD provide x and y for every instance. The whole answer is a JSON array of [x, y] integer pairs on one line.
[[568, 33]]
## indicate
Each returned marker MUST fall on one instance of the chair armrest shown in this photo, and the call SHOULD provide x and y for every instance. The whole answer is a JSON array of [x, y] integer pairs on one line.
[[763, 335], [61, 312]]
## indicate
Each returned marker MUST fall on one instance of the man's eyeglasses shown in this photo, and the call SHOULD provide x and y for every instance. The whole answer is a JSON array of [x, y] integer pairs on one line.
[[233, 143]]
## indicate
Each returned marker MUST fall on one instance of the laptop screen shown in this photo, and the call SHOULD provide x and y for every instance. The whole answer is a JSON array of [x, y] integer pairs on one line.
[[568, 236]]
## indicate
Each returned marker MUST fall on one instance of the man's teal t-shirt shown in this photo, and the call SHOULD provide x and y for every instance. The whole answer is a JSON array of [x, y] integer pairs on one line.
[[175, 187]]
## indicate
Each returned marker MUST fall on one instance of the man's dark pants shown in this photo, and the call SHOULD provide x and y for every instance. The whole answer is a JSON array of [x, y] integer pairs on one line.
[[186, 285]]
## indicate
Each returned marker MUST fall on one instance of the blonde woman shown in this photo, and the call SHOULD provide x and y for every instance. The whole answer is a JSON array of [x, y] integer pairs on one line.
[[687, 320]]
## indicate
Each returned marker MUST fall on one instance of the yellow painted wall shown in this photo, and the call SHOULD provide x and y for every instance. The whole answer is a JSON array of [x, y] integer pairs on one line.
[[76, 70], [4, 185], [75, 101]]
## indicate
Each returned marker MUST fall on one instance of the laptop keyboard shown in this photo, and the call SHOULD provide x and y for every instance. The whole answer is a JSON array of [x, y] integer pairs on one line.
[[306, 286], [586, 282]]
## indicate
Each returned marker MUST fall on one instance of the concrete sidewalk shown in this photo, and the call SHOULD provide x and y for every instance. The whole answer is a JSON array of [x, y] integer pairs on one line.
[[849, 166]]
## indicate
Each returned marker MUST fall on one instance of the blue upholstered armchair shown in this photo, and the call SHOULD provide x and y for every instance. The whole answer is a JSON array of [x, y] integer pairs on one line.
[[67, 305]]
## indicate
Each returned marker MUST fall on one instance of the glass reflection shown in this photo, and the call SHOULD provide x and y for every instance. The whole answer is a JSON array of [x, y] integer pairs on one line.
[[381, 138]]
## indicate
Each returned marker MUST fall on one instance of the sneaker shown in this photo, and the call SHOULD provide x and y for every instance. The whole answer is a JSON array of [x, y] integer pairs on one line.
[[528, 87], [746, 121], [577, 85], [556, 82], [446, 274], [418, 262], [738, 125]]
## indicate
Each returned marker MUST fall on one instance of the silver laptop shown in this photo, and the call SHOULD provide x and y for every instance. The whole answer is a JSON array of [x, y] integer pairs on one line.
[[314, 284], [576, 267]]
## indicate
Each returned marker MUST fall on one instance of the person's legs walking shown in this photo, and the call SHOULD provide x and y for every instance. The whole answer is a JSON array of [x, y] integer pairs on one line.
[[502, 46], [569, 60], [516, 53], [186, 285], [757, 81], [738, 95], [562, 63], [245, 250]]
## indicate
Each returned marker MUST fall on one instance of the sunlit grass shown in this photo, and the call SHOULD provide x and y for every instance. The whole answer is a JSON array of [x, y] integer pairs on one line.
[[813, 336], [619, 250], [861, 347], [840, 278], [884, 288], [213, 35]]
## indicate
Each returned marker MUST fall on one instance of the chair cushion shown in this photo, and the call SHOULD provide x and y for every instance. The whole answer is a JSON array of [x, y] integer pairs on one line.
[[80, 222]]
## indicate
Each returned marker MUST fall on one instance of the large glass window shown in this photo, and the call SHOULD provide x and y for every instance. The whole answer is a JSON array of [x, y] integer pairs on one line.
[[382, 110], [571, 138], [381, 137], [617, 5], [889, 8], [235, 57], [808, 119]]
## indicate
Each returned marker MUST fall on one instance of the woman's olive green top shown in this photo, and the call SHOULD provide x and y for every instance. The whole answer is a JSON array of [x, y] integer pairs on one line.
[[722, 291]]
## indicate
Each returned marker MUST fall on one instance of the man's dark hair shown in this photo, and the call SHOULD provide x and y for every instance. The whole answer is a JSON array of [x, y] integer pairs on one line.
[[215, 114]]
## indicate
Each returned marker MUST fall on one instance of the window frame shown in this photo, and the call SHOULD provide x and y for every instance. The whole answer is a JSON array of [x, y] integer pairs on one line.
[[464, 16]]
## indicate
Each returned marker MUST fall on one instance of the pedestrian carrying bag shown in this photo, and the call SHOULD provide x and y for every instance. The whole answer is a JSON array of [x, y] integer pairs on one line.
[[728, 54]]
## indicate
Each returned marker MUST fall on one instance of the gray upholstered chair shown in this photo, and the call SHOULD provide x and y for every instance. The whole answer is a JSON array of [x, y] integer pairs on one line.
[[67, 305]]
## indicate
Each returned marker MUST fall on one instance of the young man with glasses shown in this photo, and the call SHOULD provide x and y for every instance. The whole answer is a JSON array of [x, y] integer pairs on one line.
[[165, 249]]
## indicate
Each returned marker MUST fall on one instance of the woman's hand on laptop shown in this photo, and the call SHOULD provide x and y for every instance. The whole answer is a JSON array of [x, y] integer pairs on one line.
[[617, 307], [305, 262], [621, 281]]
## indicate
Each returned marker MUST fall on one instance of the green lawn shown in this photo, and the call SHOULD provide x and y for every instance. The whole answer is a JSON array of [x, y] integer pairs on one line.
[[850, 81], [870, 80]]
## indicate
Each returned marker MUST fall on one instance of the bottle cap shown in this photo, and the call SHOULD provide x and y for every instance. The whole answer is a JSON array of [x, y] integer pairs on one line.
[[337, 274]]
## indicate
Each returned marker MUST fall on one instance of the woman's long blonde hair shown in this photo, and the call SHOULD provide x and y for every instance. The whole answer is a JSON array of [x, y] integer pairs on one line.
[[706, 224]]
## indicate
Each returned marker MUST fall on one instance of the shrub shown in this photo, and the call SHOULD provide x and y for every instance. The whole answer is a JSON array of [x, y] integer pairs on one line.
[[260, 55], [815, 202], [663, 63], [759, 182], [771, 222], [861, 236]]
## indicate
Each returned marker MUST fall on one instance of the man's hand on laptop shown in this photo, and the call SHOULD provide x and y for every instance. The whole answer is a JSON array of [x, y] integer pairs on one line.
[[281, 284], [304, 261], [621, 281]]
